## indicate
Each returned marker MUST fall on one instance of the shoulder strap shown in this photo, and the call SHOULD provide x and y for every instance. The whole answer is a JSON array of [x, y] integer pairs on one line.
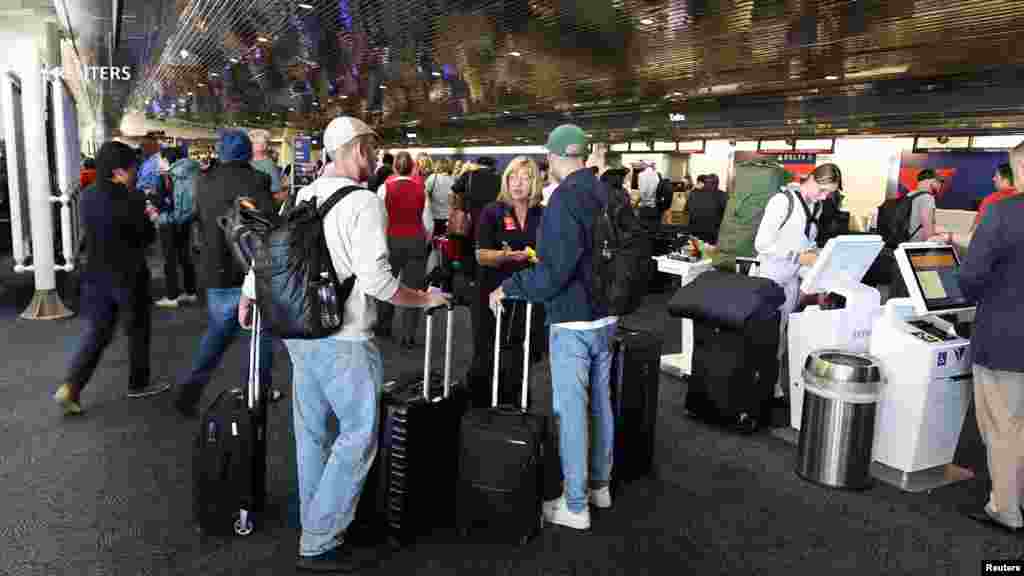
[[789, 209], [336, 197]]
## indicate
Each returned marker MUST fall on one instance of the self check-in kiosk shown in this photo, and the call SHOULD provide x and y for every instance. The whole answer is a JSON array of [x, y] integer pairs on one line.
[[928, 372], [838, 270]]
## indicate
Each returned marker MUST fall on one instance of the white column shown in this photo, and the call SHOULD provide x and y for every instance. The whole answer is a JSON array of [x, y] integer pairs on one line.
[[37, 167]]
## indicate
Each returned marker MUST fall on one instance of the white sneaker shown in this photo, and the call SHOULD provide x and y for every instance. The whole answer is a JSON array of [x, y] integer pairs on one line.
[[188, 298], [601, 498], [557, 512], [166, 303]]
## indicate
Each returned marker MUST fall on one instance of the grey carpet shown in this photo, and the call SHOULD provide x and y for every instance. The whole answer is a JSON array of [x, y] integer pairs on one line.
[[110, 493]]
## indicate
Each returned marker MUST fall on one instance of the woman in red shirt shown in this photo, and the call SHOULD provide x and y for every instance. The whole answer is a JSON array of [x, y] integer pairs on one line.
[[408, 241]]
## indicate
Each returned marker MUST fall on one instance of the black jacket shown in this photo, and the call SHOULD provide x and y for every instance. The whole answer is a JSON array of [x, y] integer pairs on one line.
[[115, 234], [215, 193], [992, 274], [706, 208]]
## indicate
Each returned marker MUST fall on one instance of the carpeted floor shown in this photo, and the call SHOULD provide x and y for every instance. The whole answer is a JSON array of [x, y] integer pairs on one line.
[[110, 493]]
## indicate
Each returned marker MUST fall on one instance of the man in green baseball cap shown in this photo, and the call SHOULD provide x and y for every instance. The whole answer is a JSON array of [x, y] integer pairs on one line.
[[581, 329]]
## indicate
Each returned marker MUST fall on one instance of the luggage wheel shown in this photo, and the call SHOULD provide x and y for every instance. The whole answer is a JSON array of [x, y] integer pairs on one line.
[[243, 525]]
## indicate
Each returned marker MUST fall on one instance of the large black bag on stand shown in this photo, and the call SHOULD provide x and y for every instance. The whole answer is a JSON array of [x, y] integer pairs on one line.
[[735, 346], [410, 489]]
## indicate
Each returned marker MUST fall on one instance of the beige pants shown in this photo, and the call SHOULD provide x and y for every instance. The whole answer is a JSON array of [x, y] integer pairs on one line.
[[999, 402]]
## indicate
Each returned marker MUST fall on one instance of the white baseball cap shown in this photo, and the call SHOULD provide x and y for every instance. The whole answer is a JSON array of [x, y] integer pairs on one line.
[[343, 130]]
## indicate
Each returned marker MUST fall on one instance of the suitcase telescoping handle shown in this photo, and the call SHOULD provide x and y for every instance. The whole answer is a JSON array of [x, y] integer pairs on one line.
[[448, 327], [253, 395], [497, 355]]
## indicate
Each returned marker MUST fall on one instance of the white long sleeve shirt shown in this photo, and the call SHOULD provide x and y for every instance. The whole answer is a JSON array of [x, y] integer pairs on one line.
[[648, 181], [357, 241], [779, 244]]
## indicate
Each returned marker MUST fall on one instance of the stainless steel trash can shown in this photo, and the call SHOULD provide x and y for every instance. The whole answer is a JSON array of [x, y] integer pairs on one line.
[[837, 426]]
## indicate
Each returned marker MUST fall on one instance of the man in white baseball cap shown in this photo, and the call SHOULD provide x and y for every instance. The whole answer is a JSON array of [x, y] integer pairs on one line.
[[342, 373]]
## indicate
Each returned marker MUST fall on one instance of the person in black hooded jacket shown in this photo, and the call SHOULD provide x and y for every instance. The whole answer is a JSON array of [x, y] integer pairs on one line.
[[115, 277], [706, 206]]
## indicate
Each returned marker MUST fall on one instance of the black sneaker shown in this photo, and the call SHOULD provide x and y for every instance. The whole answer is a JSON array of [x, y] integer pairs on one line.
[[343, 559], [152, 389]]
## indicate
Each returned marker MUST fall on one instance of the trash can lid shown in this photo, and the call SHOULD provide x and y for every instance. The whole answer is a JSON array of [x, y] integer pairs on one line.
[[851, 375]]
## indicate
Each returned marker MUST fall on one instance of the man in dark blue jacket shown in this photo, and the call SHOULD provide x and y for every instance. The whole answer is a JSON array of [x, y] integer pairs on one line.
[[581, 334], [993, 276], [115, 277]]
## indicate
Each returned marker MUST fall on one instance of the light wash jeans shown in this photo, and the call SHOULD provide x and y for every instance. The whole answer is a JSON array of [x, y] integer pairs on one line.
[[343, 377], [222, 330], [581, 365]]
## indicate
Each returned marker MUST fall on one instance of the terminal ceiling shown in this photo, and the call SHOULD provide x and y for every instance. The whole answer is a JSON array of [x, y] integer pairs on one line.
[[489, 71]]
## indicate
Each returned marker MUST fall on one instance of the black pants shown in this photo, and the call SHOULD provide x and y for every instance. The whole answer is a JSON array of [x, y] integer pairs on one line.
[[408, 258], [104, 306], [175, 241]]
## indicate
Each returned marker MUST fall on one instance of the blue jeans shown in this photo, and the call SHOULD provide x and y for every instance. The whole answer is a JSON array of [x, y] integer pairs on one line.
[[343, 377], [222, 329], [581, 363]]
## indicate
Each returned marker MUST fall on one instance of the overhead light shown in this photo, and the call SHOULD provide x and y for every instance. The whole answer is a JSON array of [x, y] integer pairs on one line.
[[436, 74], [200, 84], [831, 77], [383, 87], [183, 53], [507, 112], [189, 93], [262, 39], [316, 103], [576, 104], [410, 134], [883, 71], [676, 94], [647, 21], [214, 75], [306, 6], [234, 60], [455, 117], [291, 109], [515, 54]]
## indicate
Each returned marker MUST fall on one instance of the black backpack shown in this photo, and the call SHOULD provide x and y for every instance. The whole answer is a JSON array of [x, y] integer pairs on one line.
[[297, 290], [663, 195], [619, 258], [894, 220]]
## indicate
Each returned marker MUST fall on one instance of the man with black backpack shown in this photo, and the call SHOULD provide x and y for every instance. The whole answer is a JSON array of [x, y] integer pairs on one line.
[[572, 280], [910, 218], [340, 374]]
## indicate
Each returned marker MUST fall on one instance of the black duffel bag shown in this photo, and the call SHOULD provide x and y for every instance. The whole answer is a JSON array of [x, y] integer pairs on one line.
[[727, 300]]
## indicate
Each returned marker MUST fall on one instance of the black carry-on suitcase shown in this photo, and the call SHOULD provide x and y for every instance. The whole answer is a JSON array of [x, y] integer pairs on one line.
[[636, 368], [499, 486], [410, 489], [230, 460], [735, 347]]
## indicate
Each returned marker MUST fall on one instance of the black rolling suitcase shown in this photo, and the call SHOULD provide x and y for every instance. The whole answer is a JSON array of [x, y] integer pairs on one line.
[[229, 465], [636, 368], [735, 347], [499, 485], [410, 490]]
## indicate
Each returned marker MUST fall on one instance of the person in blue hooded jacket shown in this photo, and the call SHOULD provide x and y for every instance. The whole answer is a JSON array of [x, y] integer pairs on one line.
[[174, 224], [219, 273]]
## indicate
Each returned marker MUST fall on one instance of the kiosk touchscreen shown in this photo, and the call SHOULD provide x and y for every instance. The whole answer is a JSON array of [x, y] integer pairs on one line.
[[838, 270], [928, 371], [931, 272]]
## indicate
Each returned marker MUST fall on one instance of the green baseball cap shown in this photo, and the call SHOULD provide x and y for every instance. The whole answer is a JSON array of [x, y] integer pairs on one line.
[[567, 140]]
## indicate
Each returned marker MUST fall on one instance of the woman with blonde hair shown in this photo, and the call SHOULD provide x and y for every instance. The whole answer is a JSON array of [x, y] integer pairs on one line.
[[424, 166], [507, 227]]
